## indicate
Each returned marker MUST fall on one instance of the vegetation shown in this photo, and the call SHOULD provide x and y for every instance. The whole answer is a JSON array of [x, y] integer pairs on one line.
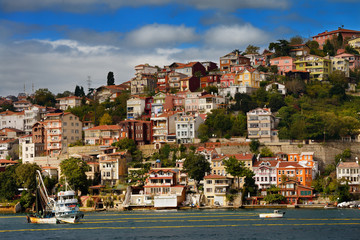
[[196, 166], [275, 198], [74, 169]]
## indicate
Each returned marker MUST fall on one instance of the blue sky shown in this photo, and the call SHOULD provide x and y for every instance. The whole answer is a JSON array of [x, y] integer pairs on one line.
[[57, 44]]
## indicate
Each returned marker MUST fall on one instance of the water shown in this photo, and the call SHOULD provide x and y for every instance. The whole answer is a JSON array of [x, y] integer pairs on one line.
[[196, 224]]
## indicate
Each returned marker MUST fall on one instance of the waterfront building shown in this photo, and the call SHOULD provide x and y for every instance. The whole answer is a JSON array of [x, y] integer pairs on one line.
[[349, 172], [113, 167], [215, 189], [265, 173]]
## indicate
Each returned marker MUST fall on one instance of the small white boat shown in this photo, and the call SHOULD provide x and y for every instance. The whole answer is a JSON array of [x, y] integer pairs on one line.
[[275, 214]]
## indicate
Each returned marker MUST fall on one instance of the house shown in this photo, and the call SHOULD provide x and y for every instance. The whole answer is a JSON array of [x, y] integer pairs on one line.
[[8, 147], [102, 135], [145, 79], [319, 67], [299, 50], [187, 128], [354, 59], [295, 193], [265, 173], [305, 159], [110, 92], [321, 38], [30, 150], [173, 103], [137, 130], [227, 80], [209, 153], [209, 66], [350, 173], [94, 170], [68, 102], [163, 81], [10, 133], [256, 59], [191, 100], [51, 172], [161, 189], [249, 77], [284, 64], [191, 69], [32, 115], [355, 43], [210, 80], [209, 102], [135, 107], [22, 105], [9, 119], [276, 87], [215, 189], [339, 64], [163, 127], [261, 125], [57, 131], [294, 171], [175, 80], [190, 83], [158, 103], [231, 59], [113, 167]]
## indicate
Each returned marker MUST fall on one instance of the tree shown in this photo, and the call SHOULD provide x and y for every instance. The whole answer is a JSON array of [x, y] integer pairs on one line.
[[8, 186], [251, 49], [351, 50], [254, 146], [296, 40], [44, 97], [196, 166], [211, 89], [281, 48], [266, 152], [329, 48], [106, 119], [276, 101], [79, 91], [275, 198], [26, 175], [64, 94], [74, 170], [235, 167], [110, 79], [138, 177]]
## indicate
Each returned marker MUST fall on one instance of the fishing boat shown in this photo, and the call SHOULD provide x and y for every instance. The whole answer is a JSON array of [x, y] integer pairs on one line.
[[50, 211], [275, 214]]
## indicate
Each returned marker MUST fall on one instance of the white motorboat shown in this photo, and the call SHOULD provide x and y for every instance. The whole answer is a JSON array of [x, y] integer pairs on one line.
[[275, 214], [50, 211]]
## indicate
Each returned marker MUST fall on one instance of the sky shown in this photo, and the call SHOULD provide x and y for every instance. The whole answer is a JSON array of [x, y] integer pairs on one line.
[[58, 44]]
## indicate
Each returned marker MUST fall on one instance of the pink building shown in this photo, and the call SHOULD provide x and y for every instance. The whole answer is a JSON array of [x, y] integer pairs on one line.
[[346, 33], [354, 60], [227, 80], [284, 64]]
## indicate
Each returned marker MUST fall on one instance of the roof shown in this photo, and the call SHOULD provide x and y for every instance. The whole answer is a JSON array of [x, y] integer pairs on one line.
[[48, 167], [336, 31], [280, 58], [241, 156], [70, 97], [214, 176], [2, 161], [289, 164], [272, 163], [104, 128], [348, 165]]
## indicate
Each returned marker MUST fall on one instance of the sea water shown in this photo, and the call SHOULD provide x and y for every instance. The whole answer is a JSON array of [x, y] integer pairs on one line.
[[193, 224]]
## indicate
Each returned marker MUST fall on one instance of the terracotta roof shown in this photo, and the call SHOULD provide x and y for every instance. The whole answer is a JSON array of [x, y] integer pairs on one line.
[[213, 176], [272, 163], [283, 57], [104, 127], [48, 167], [246, 156], [70, 97], [289, 164], [348, 165], [336, 31], [2, 161]]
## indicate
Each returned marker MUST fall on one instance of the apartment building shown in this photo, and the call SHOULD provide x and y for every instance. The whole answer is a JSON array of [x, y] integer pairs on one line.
[[318, 67], [350, 172], [215, 189], [187, 127], [68, 102], [261, 125]]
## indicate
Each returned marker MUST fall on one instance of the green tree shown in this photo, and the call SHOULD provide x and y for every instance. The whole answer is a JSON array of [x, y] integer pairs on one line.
[[351, 50], [44, 97], [275, 198], [329, 48], [139, 176], [211, 89], [281, 48], [235, 168], [196, 166], [254, 146], [8, 186], [296, 40], [26, 176], [266, 152], [106, 119], [74, 171], [276, 101], [110, 79], [251, 49]]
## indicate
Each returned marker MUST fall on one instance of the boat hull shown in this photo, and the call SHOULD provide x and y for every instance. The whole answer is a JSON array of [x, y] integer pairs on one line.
[[271, 215], [71, 218], [52, 220]]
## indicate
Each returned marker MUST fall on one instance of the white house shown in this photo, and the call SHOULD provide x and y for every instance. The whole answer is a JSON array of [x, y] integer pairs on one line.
[[187, 128]]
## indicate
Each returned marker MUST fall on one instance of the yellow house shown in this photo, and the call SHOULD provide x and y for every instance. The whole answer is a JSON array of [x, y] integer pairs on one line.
[[340, 64], [215, 189], [355, 43], [248, 78], [319, 67]]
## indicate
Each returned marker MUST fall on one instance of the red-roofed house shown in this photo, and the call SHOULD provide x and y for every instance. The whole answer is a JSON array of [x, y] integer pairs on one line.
[[163, 126], [294, 171], [102, 135], [4, 163], [265, 173], [189, 69], [22, 105], [9, 119], [68, 102], [346, 33], [231, 59], [113, 167], [284, 64], [209, 102], [349, 172]]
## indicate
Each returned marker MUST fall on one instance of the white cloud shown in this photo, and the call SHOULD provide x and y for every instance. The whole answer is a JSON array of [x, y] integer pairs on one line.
[[231, 5], [156, 35], [236, 36]]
